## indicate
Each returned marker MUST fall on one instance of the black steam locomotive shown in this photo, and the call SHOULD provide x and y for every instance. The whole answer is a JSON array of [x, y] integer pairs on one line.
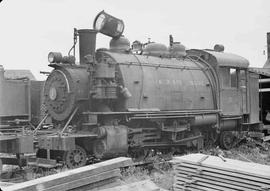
[[125, 100]]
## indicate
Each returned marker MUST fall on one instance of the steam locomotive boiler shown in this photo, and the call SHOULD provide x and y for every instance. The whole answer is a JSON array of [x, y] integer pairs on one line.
[[117, 102]]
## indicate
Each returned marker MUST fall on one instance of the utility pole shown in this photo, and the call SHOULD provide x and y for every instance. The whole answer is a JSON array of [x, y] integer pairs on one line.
[[268, 45]]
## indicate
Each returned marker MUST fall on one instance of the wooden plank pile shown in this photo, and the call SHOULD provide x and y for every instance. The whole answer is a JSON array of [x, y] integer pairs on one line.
[[211, 173], [144, 185], [94, 176]]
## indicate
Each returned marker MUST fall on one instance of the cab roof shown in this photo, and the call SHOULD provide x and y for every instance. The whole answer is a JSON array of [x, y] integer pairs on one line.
[[222, 58]]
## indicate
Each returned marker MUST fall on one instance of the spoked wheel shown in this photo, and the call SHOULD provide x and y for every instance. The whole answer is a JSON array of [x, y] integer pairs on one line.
[[76, 158], [227, 140]]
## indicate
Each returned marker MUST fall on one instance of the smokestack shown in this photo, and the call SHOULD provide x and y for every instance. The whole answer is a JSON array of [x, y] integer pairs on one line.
[[87, 40]]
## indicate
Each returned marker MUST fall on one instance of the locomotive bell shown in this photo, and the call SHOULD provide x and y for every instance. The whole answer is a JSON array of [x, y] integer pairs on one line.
[[108, 25]]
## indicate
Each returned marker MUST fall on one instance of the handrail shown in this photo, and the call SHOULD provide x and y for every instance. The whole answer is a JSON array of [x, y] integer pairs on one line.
[[67, 123], [39, 125]]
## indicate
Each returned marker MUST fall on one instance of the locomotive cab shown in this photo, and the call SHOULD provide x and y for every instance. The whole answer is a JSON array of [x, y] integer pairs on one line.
[[238, 93]]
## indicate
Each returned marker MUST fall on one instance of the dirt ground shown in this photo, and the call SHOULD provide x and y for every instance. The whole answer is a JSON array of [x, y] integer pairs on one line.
[[249, 151]]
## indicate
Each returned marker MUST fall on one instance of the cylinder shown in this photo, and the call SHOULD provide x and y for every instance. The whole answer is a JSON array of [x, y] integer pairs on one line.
[[205, 120], [228, 125], [87, 40]]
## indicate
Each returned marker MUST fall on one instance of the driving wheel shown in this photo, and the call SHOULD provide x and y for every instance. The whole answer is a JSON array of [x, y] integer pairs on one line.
[[75, 158]]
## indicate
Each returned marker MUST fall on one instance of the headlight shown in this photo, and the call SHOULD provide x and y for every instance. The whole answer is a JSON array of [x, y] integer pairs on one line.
[[99, 22], [108, 25], [54, 57]]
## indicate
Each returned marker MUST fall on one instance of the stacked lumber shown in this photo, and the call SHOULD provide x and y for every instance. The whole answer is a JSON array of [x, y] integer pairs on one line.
[[145, 185], [4, 184], [204, 172], [84, 178]]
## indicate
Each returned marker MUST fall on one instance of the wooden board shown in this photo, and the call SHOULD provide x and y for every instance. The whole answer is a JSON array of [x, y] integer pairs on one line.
[[202, 172], [230, 165], [4, 184], [145, 185], [86, 181], [202, 169], [205, 184], [71, 175], [103, 186], [224, 185], [183, 184], [223, 178]]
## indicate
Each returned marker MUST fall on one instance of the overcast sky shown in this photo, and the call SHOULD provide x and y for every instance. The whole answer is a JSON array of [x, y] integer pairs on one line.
[[32, 28]]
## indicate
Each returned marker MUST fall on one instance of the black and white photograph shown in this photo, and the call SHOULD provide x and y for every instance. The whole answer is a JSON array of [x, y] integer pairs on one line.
[[135, 95]]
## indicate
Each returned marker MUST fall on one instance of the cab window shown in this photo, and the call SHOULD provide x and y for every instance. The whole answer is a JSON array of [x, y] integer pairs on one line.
[[228, 77]]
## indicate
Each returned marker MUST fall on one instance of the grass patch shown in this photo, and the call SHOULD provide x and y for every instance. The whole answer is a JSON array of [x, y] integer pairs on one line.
[[160, 173]]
